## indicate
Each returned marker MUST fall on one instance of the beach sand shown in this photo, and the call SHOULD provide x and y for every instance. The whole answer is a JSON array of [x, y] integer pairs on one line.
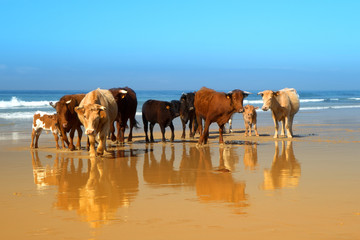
[[248, 188]]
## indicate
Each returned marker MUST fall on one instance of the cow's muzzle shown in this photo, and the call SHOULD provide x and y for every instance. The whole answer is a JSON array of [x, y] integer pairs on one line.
[[264, 108], [90, 132]]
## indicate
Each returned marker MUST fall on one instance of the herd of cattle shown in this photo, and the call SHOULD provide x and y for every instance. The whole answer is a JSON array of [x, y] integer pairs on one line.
[[98, 111]]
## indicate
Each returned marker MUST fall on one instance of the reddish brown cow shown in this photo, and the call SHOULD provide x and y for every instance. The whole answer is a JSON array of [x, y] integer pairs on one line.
[[68, 119], [44, 122], [216, 107], [127, 104]]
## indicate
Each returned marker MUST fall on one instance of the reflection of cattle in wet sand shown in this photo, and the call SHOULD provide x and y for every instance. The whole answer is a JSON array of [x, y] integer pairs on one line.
[[68, 119], [162, 171], [285, 171], [284, 104], [250, 156], [44, 122], [216, 107], [217, 186]]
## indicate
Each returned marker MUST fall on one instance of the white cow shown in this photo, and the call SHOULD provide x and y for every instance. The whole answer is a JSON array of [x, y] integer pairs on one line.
[[284, 104]]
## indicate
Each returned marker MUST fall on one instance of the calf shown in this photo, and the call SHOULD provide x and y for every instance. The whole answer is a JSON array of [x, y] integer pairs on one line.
[[187, 113], [160, 112], [249, 115], [44, 122], [216, 107], [97, 111], [284, 104], [68, 119], [127, 103]]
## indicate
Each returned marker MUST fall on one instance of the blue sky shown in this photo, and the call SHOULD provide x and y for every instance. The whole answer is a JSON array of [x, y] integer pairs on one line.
[[180, 44]]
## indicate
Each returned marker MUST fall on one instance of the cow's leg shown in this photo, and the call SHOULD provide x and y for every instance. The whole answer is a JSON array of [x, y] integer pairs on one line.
[[184, 127], [246, 129], [71, 144], [79, 132], [56, 137], [145, 123], [191, 127], [287, 125], [37, 137], [200, 127], [162, 128], [250, 129], [32, 138], [102, 144], [221, 130], [64, 137], [206, 132], [283, 124], [172, 132], [151, 132], [255, 129], [121, 132], [291, 120], [276, 127], [112, 131], [91, 140], [132, 124]]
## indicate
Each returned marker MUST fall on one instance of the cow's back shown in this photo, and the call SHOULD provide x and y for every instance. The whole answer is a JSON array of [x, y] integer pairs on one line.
[[202, 100], [293, 99]]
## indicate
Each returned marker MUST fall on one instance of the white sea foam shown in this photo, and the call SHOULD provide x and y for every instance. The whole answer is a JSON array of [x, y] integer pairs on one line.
[[15, 103], [329, 107], [357, 99], [21, 115], [312, 100]]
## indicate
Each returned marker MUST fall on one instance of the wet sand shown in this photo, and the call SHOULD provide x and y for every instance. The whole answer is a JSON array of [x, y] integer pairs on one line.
[[250, 187]]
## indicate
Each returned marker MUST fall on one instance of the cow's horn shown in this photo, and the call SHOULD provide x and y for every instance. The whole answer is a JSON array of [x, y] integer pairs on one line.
[[52, 104], [68, 101], [122, 91], [247, 92], [260, 93], [102, 108]]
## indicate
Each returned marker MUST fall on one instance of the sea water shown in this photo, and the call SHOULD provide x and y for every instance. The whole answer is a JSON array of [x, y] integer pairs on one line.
[[18, 107]]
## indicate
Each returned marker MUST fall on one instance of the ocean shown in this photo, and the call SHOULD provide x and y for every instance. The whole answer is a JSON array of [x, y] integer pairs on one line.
[[18, 107]]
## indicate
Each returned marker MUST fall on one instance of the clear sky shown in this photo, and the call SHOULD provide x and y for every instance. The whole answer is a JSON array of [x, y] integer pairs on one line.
[[263, 44]]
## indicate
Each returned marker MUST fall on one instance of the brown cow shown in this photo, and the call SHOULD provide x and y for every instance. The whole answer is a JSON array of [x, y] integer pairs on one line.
[[216, 107], [284, 104], [97, 111], [44, 122], [249, 116], [68, 119], [127, 104]]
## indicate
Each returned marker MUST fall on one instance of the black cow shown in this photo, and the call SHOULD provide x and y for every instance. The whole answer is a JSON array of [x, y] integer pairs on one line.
[[160, 112], [187, 113], [127, 104]]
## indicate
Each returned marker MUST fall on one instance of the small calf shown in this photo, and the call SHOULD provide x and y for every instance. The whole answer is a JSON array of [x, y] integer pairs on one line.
[[44, 122], [249, 115]]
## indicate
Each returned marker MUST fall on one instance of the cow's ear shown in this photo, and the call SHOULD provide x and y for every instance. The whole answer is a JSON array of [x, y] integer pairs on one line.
[[52, 104], [102, 113], [261, 94], [277, 93], [229, 94], [256, 108], [79, 110]]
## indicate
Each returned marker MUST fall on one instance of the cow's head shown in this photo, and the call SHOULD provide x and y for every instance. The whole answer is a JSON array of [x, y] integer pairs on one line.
[[187, 103], [249, 112], [175, 108], [237, 97], [92, 116], [120, 94], [267, 97], [65, 110]]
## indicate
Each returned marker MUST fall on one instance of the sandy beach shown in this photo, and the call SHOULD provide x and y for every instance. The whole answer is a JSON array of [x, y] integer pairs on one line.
[[250, 187]]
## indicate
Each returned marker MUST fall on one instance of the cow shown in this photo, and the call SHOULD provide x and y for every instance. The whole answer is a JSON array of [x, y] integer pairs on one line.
[[216, 107], [45, 122], [161, 112], [249, 115], [68, 119], [127, 104], [284, 104], [96, 112], [187, 113]]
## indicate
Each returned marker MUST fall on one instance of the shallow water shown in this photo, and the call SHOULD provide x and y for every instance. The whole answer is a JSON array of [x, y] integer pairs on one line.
[[273, 190]]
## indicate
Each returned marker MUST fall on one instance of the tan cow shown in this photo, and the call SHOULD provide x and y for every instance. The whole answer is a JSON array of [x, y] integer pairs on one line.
[[44, 122], [250, 115], [284, 104], [96, 112]]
